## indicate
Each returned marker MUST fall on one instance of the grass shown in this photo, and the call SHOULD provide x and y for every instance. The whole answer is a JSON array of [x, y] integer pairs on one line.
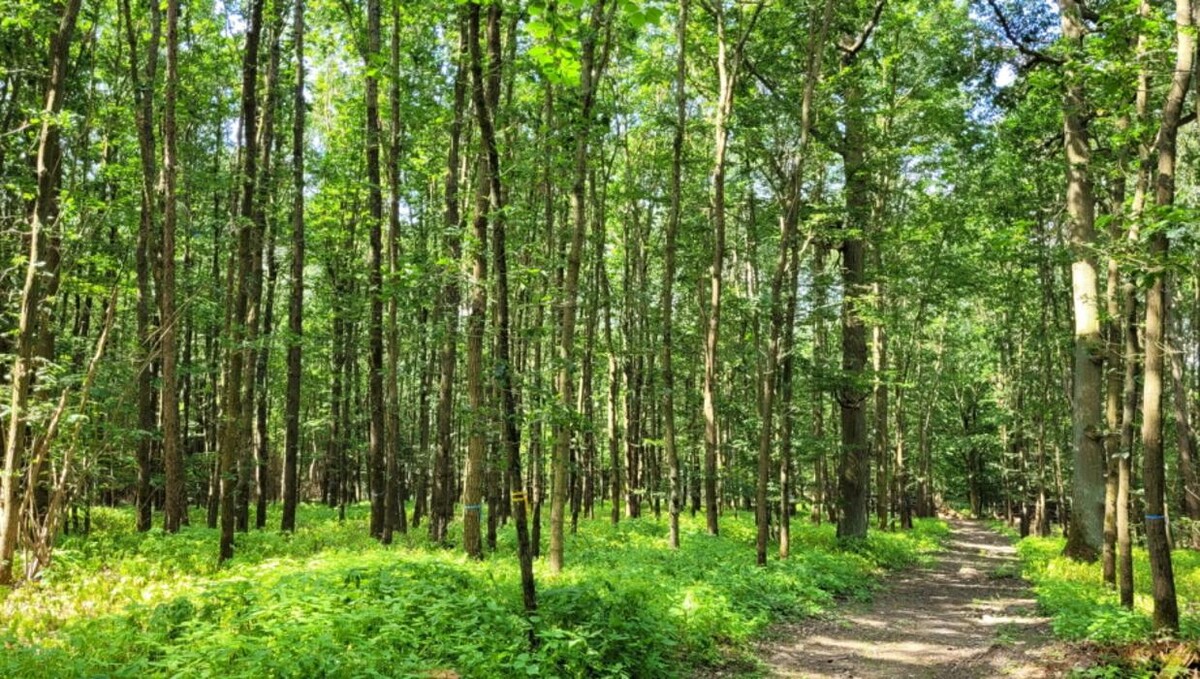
[[1082, 607], [329, 601]]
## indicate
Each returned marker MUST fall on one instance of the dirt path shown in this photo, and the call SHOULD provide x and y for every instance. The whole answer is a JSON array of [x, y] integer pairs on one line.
[[967, 616]]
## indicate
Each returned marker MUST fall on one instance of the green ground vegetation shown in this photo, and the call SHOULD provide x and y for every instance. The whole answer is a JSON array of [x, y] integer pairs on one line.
[[330, 601]]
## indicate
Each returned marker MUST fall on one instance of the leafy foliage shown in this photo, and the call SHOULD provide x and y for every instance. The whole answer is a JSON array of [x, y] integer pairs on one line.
[[330, 601], [1082, 607]]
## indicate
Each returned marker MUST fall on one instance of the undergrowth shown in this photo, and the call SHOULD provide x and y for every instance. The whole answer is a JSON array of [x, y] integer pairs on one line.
[[329, 601], [1082, 607]]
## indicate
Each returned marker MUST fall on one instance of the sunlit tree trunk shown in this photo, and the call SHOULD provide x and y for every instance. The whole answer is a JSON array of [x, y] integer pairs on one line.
[[1086, 535]]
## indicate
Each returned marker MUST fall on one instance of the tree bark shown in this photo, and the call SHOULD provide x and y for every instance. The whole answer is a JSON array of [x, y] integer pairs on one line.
[[590, 69], [234, 413], [295, 345], [42, 216], [1166, 608], [667, 301], [1085, 537], [442, 504], [175, 507]]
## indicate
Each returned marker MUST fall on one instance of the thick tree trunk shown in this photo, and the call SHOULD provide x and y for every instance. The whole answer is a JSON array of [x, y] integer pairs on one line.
[[1086, 535], [854, 465]]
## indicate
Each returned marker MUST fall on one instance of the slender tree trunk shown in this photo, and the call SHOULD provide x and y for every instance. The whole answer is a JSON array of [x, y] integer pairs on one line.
[[233, 439], [175, 509], [589, 74], [377, 445], [713, 318], [1184, 438], [443, 471], [395, 492], [143, 80], [478, 418], [42, 216], [1166, 608], [484, 108], [262, 434], [667, 302], [291, 443]]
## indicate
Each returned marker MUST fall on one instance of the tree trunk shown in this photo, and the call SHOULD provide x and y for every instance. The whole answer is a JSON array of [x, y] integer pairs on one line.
[[1166, 608], [376, 442], [233, 439], [175, 507], [42, 216], [854, 465], [589, 74], [291, 443], [442, 503], [667, 301], [1086, 535]]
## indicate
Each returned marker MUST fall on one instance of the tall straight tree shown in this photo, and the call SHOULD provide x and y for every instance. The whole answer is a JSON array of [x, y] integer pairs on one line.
[[1166, 608], [143, 78], [442, 504], [1086, 534], [591, 66], [395, 518], [782, 309], [175, 505], [377, 444], [854, 464], [234, 437], [729, 65], [667, 302], [291, 416], [477, 439]]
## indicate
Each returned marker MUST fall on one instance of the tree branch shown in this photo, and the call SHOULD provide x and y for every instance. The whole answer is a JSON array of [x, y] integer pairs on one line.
[[1035, 55], [852, 49]]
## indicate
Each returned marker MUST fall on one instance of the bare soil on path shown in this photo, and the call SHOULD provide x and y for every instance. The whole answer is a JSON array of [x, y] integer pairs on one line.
[[969, 615]]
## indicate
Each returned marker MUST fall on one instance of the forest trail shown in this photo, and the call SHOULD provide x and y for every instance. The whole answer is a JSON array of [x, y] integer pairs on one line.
[[966, 616]]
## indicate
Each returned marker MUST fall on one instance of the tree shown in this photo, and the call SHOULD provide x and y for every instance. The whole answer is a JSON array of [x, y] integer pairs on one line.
[[42, 217], [291, 443], [854, 463], [1086, 534], [1166, 609]]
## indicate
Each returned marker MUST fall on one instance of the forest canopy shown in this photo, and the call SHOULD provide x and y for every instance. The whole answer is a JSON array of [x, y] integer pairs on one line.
[[491, 269]]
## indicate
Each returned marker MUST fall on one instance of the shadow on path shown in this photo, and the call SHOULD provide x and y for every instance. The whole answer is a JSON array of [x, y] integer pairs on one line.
[[967, 616]]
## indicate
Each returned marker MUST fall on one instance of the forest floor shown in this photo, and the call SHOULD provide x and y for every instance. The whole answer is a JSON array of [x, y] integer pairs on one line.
[[967, 615]]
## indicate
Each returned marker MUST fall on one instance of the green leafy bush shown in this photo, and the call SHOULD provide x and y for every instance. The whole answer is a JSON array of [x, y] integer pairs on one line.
[[1083, 607], [329, 601]]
